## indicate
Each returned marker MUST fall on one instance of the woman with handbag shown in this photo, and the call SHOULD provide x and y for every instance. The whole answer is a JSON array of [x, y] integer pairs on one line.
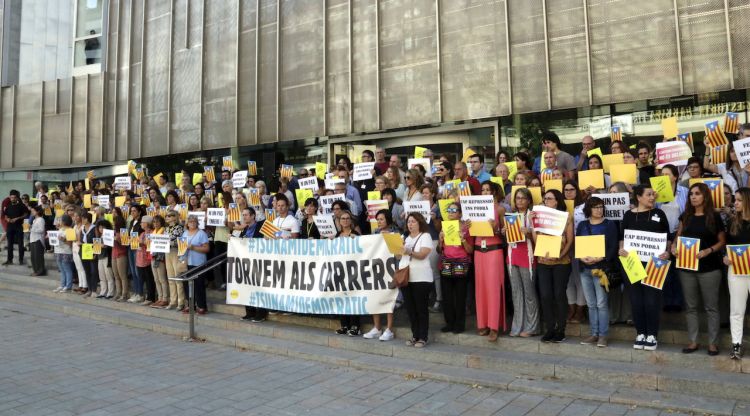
[[414, 260], [455, 263], [595, 293]]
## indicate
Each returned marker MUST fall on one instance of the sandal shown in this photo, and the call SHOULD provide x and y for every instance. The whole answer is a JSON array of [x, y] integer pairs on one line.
[[420, 344], [483, 332], [411, 342]]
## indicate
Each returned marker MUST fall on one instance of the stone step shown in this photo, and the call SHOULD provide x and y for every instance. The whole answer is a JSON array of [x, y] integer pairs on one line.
[[619, 365], [428, 363]]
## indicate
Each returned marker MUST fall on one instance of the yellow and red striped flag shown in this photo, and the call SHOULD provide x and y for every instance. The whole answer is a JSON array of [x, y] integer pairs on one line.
[[464, 189], [546, 174], [252, 168], [135, 242], [226, 163], [732, 123], [182, 244], [616, 135], [124, 237], [719, 154], [269, 230], [656, 272], [208, 173], [714, 135], [739, 255], [287, 171], [513, 223], [233, 213], [687, 138], [182, 209], [687, 253], [254, 195], [270, 214], [716, 186]]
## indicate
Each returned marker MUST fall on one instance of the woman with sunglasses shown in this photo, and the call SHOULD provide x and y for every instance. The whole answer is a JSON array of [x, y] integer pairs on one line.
[[414, 181], [553, 274], [521, 264], [349, 323], [455, 263]]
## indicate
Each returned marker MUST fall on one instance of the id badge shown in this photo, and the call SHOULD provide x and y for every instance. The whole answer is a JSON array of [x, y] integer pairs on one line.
[[484, 244]]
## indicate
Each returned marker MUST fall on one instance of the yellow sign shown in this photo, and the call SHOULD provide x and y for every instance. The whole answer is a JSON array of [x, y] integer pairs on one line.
[[499, 181], [452, 232], [669, 127], [70, 234], [157, 177], [571, 205], [87, 201], [611, 160], [87, 182], [302, 195], [467, 154], [633, 267], [663, 188], [178, 179], [588, 178], [394, 242], [512, 169], [589, 246], [536, 194], [443, 204], [87, 251], [119, 201], [373, 195], [197, 178], [320, 170], [550, 184], [481, 229], [624, 173], [419, 152], [548, 246], [597, 151]]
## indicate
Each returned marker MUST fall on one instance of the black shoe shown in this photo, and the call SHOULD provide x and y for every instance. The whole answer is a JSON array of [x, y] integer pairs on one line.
[[713, 353], [342, 331], [258, 319], [247, 318], [548, 336], [688, 350], [7, 263], [446, 329], [458, 330], [736, 353], [354, 331], [559, 337]]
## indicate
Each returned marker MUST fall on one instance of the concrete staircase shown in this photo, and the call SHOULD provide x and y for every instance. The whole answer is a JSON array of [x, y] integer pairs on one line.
[[665, 379]]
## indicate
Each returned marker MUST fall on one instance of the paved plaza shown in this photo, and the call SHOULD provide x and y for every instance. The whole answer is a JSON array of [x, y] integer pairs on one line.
[[53, 364]]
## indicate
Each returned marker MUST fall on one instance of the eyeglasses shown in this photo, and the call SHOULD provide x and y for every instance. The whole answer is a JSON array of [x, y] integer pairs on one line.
[[407, 177], [598, 207], [451, 210]]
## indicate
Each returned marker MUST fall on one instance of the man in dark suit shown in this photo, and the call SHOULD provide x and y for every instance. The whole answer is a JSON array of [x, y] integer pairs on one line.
[[15, 213], [252, 230]]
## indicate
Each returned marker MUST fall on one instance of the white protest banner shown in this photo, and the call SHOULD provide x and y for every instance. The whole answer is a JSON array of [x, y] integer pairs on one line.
[[123, 182], [108, 238], [615, 204], [216, 217], [422, 207], [645, 243], [239, 179], [201, 218], [103, 201], [676, 153], [342, 276], [373, 206], [363, 171], [425, 162], [331, 182], [327, 200], [310, 183], [159, 243], [601, 127], [477, 208], [549, 221], [325, 224], [742, 150], [54, 238]]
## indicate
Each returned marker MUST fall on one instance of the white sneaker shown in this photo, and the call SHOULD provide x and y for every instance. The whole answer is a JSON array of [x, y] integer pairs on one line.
[[59, 289], [64, 290], [650, 344], [387, 335], [640, 341], [373, 333]]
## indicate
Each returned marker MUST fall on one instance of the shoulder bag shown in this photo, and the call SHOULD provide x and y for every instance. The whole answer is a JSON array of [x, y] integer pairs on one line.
[[401, 278]]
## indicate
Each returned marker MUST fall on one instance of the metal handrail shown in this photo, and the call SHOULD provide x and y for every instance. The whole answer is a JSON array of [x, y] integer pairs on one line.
[[189, 277]]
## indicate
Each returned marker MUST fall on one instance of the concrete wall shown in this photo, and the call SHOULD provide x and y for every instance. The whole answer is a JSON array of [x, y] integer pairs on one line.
[[190, 75]]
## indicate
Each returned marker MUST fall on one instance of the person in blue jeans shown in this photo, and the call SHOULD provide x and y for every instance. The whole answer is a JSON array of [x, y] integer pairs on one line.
[[64, 256], [595, 293]]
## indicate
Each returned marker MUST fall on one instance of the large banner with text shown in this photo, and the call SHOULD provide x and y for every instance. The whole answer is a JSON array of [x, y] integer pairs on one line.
[[342, 276]]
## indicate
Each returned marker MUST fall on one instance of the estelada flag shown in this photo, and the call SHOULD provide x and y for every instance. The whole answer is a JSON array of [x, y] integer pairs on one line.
[[447, 188], [226, 163], [208, 173], [739, 255], [716, 186], [719, 154], [254, 197], [464, 189], [139, 173], [269, 230], [287, 171], [124, 236], [687, 138], [134, 241], [616, 135], [270, 214], [90, 175], [687, 253], [145, 200], [233, 213], [183, 210], [252, 168], [182, 245], [732, 123], [714, 135], [97, 245], [546, 174], [656, 272], [513, 223]]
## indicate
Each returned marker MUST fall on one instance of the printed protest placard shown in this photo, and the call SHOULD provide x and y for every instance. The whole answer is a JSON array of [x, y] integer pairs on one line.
[[549, 221], [422, 207], [633, 267], [108, 238], [421, 161], [123, 183], [311, 183], [326, 225], [676, 153], [646, 244], [216, 217], [477, 208], [239, 179], [374, 206], [363, 171], [615, 204], [663, 188], [103, 201], [451, 232], [327, 200], [159, 243], [742, 150], [54, 238]]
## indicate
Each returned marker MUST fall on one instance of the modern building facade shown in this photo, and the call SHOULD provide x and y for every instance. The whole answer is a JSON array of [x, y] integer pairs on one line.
[[98, 82]]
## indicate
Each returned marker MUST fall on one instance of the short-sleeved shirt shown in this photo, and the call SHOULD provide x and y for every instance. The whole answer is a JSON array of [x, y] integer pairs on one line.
[[195, 258], [419, 270], [288, 224], [696, 228], [566, 161]]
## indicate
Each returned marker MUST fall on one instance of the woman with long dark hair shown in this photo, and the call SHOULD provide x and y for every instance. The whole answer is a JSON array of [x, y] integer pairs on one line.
[[739, 285]]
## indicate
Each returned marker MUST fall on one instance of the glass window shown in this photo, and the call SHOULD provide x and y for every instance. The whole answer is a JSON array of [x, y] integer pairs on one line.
[[87, 49]]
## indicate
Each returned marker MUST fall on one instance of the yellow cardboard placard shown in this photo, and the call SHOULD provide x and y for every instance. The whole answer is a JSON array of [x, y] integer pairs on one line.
[[570, 204], [610, 160], [59, 213], [320, 170], [587, 178], [87, 183], [624, 173], [633, 267], [548, 246], [394, 242], [110, 218], [499, 181], [589, 246], [70, 234], [536, 194], [87, 251], [197, 178], [302, 195], [481, 229], [597, 151], [467, 154], [373, 195], [373, 226], [663, 188], [512, 169], [513, 190], [419, 152], [178, 179], [87, 201], [452, 233], [444, 204], [669, 127], [119, 201], [553, 184], [157, 177]]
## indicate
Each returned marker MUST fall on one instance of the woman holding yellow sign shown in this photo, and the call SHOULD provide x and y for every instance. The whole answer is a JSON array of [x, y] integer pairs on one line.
[[64, 254], [455, 261]]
